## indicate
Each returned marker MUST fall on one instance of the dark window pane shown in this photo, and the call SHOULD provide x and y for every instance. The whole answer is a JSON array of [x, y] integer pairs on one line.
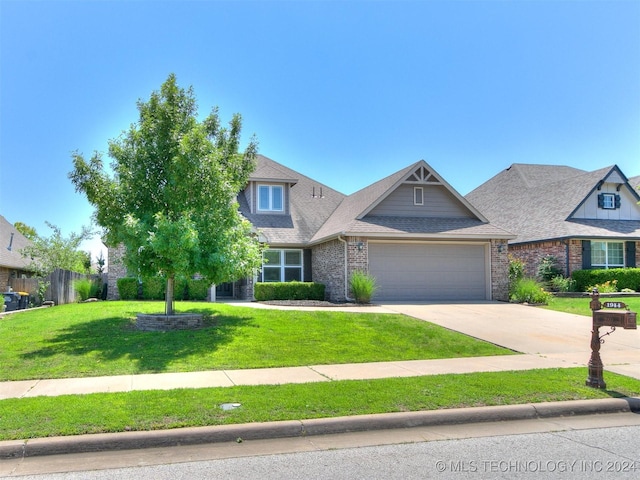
[[292, 274]]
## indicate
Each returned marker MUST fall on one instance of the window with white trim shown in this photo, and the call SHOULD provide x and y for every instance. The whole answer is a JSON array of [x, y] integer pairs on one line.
[[418, 196], [609, 201], [607, 254], [270, 198], [281, 265]]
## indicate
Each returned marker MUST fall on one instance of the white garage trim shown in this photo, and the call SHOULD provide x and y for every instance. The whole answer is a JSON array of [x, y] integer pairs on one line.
[[431, 270]]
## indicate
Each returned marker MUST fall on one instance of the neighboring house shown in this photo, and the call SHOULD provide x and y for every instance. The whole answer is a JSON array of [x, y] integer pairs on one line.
[[12, 263], [412, 231], [584, 219]]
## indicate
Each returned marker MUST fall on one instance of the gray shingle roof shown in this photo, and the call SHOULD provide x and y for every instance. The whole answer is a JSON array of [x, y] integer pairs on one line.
[[314, 220], [308, 214], [536, 202], [12, 258]]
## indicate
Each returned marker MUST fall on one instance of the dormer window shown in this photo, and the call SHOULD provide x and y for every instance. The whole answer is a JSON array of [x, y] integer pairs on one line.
[[270, 198], [608, 201]]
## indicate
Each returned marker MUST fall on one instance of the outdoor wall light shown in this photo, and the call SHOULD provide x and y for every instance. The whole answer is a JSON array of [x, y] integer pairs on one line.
[[500, 247], [360, 246]]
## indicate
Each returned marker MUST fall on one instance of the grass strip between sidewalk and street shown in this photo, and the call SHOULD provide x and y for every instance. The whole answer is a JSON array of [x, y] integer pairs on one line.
[[152, 410], [100, 339]]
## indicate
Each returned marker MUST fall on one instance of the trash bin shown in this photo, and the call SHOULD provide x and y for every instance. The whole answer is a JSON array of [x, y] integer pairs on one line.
[[23, 301], [11, 300]]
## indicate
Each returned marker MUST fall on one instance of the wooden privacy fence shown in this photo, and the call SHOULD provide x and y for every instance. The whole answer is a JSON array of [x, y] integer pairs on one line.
[[60, 286]]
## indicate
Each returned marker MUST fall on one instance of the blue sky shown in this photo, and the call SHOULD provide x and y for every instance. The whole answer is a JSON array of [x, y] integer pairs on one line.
[[344, 92]]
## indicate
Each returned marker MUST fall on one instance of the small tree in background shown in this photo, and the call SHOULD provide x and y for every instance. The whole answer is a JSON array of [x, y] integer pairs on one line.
[[57, 251], [172, 198]]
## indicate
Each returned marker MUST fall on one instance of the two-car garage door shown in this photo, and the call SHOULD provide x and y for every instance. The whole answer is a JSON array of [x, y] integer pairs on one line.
[[427, 271]]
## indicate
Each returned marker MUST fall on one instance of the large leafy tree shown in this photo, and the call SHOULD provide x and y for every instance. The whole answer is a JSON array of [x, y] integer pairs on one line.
[[170, 195]]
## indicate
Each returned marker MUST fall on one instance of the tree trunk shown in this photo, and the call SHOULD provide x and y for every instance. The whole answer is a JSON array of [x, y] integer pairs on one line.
[[168, 309]]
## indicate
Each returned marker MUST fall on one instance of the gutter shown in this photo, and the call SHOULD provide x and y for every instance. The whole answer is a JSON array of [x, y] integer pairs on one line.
[[346, 261]]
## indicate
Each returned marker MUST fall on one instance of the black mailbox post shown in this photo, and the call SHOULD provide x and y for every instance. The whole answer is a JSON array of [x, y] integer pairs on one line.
[[615, 314]]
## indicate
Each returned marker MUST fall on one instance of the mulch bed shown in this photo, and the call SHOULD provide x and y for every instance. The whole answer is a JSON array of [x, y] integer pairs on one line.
[[313, 303]]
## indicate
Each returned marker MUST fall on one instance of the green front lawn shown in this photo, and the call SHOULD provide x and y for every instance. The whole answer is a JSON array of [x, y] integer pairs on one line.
[[580, 306], [151, 410], [96, 339]]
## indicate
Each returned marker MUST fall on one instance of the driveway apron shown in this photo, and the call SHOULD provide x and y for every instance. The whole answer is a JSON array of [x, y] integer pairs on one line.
[[528, 329]]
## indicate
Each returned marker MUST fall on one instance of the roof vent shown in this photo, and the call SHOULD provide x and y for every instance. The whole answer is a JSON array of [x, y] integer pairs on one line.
[[10, 242]]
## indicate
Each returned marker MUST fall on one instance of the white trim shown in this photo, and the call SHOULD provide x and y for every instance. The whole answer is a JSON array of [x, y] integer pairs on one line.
[[415, 196], [270, 187], [607, 264], [282, 264]]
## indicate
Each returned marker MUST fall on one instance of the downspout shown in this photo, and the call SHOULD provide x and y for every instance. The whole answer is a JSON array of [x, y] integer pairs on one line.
[[346, 271], [567, 258]]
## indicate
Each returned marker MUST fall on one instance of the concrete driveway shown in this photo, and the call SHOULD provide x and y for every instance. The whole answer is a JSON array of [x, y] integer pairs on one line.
[[531, 330]]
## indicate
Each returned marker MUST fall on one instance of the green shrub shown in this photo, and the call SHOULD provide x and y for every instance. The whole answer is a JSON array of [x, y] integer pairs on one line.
[[128, 288], [516, 271], [82, 286], [153, 288], [265, 291], [96, 289], [197, 289], [362, 286], [529, 290], [180, 288], [548, 268], [562, 284], [628, 278]]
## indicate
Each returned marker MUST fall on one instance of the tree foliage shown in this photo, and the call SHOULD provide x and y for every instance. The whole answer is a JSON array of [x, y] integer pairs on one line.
[[26, 230], [57, 251], [171, 197]]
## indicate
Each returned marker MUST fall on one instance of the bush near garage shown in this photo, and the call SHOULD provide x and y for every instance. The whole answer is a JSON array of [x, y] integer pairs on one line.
[[265, 291], [627, 278]]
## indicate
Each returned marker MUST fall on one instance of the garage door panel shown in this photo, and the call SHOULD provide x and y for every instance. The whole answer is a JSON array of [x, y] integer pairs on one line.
[[428, 271]]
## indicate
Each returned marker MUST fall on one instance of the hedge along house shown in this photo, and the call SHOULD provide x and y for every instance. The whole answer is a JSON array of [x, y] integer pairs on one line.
[[584, 219], [412, 231]]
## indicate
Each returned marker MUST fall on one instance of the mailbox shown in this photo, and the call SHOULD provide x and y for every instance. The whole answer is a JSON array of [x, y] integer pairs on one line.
[[615, 318], [614, 314]]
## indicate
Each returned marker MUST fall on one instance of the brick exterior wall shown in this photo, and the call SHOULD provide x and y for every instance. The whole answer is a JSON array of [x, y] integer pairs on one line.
[[532, 253], [499, 270], [4, 279], [328, 268], [116, 270], [567, 252]]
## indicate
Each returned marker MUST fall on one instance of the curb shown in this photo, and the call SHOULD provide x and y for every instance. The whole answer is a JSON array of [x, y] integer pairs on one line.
[[318, 426]]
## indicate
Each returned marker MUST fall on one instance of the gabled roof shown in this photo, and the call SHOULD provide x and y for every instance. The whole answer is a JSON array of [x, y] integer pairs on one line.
[[11, 244], [270, 171], [351, 217], [318, 218], [537, 202]]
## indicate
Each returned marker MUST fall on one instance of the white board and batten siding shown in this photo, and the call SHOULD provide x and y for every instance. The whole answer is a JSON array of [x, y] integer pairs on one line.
[[430, 271]]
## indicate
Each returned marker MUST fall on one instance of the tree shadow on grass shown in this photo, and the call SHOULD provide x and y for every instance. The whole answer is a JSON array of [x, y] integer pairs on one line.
[[94, 346]]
